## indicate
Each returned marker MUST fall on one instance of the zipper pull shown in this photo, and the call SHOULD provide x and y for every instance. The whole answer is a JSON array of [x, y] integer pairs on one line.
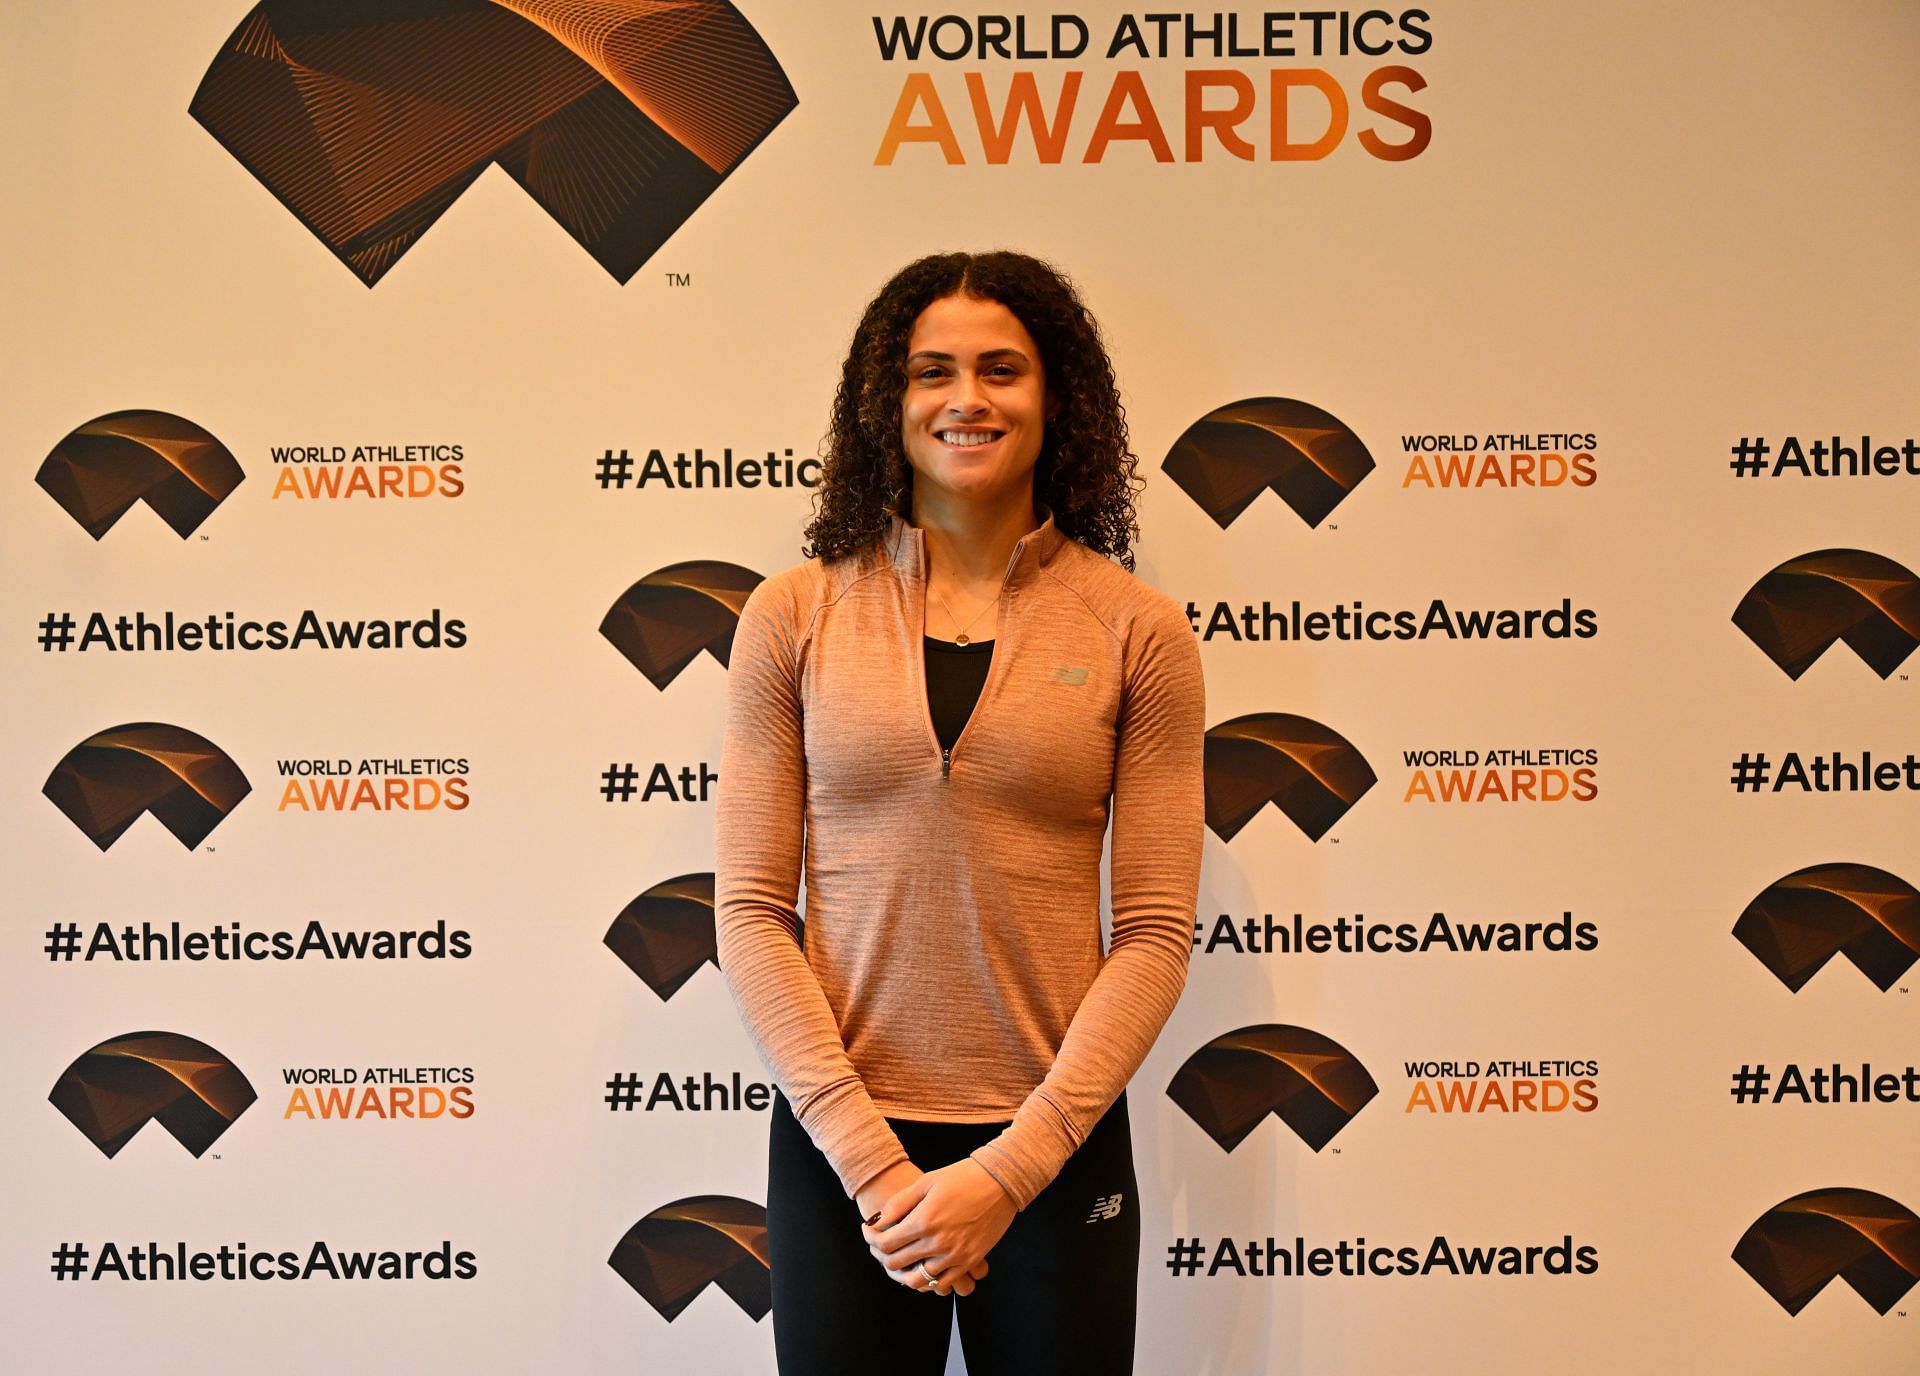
[[946, 761]]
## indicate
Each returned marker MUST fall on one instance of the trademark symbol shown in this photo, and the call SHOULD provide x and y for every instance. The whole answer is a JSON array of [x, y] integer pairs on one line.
[[679, 279], [1334, 841], [1905, 990], [208, 849], [1334, 526], [216, 1155], [1904, 678], [205, 538], [1336, 1151]]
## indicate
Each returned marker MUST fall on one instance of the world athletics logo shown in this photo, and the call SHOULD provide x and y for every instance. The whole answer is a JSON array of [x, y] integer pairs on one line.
[[105, 783], [619, 117], [1802, 920], [1310, 772], [113, 1090], [679, 1249], [666, 934], [102, 469], [1796, 611], [1228, 457], [1797, 1247], [1308, 1081], [663, 622]]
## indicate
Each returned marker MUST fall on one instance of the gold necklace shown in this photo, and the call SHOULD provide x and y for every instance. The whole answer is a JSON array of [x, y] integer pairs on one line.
[[961, 638]]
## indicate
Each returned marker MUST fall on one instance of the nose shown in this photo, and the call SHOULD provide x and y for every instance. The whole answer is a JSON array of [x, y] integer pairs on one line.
[[964, 398]]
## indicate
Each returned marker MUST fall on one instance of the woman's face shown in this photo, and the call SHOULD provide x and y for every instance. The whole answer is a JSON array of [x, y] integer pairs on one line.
[[975, 403]]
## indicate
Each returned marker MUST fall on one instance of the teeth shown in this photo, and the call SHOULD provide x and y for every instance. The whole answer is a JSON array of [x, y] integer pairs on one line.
[[966, 438]]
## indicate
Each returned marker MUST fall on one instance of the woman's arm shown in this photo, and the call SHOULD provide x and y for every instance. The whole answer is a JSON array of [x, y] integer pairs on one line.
[[1159, 811], [758, 849]]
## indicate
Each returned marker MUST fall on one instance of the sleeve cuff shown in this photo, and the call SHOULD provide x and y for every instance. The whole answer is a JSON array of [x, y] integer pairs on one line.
[[855, 1139], [1029, 1153]]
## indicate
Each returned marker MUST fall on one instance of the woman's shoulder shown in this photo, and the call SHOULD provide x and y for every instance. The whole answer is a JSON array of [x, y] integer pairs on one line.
[[1118, 596], [794, 594]]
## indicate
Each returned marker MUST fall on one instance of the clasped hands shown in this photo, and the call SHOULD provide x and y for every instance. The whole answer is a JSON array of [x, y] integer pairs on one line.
[[948, 1218]]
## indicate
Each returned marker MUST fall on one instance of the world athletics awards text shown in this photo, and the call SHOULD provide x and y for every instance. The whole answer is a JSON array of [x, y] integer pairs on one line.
[[373, 471], [1284, 113]]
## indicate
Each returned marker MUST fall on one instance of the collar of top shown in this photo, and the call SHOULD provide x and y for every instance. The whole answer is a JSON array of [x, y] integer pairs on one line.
[[906, 546]]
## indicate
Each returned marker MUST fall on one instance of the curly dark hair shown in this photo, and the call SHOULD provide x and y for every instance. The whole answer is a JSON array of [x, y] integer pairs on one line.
[[1087, 473]]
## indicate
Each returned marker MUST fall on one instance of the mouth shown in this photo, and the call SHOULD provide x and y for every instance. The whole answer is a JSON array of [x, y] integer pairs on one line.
[[967, 439]]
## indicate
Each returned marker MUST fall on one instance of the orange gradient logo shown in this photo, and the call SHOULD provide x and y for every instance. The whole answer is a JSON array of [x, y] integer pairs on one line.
[[99, 471], [663, 622], [1802, 920], [676, 1251], [107, 781], [1868, 1240], [1311, 1083], [367, 121], [666, 934], [1800, 608], [1231, 455], [1310, 772], [112, 1091]]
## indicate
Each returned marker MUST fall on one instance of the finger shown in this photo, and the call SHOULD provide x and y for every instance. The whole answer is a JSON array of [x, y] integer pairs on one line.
[[926, 1274], [901, 1203], [904, 1269], [963, 1286], [901, 1231], [892, 1247], [904, 1257], [979, 1269], [914, 1227]]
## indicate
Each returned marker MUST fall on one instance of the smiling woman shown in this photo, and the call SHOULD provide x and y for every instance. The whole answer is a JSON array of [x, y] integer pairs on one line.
[[1086, 472], [973, 413], [935, 718]]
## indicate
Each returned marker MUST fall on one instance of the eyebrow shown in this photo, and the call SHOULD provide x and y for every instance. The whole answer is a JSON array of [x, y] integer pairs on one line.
[[936, 355]]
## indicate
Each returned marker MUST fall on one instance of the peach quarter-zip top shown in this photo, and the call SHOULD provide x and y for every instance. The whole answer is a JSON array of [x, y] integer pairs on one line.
[[952, 967]]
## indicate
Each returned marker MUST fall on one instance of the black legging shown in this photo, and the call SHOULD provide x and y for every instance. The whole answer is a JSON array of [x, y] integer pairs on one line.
[[1060, 1292]]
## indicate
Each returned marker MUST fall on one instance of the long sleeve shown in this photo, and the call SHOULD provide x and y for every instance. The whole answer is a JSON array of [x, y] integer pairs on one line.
[[758, 844], [1158, 814]]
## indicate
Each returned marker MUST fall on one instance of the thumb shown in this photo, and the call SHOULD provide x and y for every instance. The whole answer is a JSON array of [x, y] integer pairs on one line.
[[902, 1202]]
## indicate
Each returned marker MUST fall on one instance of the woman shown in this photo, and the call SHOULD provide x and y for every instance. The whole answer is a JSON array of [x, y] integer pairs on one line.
[[935, 713]]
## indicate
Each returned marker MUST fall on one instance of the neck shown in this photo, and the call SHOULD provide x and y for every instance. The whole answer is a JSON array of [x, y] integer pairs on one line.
[[971, 542]]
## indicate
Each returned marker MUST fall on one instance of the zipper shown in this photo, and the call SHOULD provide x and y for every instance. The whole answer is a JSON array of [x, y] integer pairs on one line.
[[920, 658]]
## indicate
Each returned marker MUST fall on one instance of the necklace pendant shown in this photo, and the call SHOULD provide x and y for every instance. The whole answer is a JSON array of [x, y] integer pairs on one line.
[[960, 639]]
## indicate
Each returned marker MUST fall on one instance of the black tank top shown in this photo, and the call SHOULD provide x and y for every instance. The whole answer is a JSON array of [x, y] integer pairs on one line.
[[955, 676]]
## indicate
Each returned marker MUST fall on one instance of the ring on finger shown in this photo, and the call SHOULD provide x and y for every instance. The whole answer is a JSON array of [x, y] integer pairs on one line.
[[932, 1280]]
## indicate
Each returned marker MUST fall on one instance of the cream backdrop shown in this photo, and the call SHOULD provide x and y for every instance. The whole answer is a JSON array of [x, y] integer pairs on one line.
[[1671, 227]]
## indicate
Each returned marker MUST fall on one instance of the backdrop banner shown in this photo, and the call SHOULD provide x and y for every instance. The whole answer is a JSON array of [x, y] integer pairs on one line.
[[405, 396]]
